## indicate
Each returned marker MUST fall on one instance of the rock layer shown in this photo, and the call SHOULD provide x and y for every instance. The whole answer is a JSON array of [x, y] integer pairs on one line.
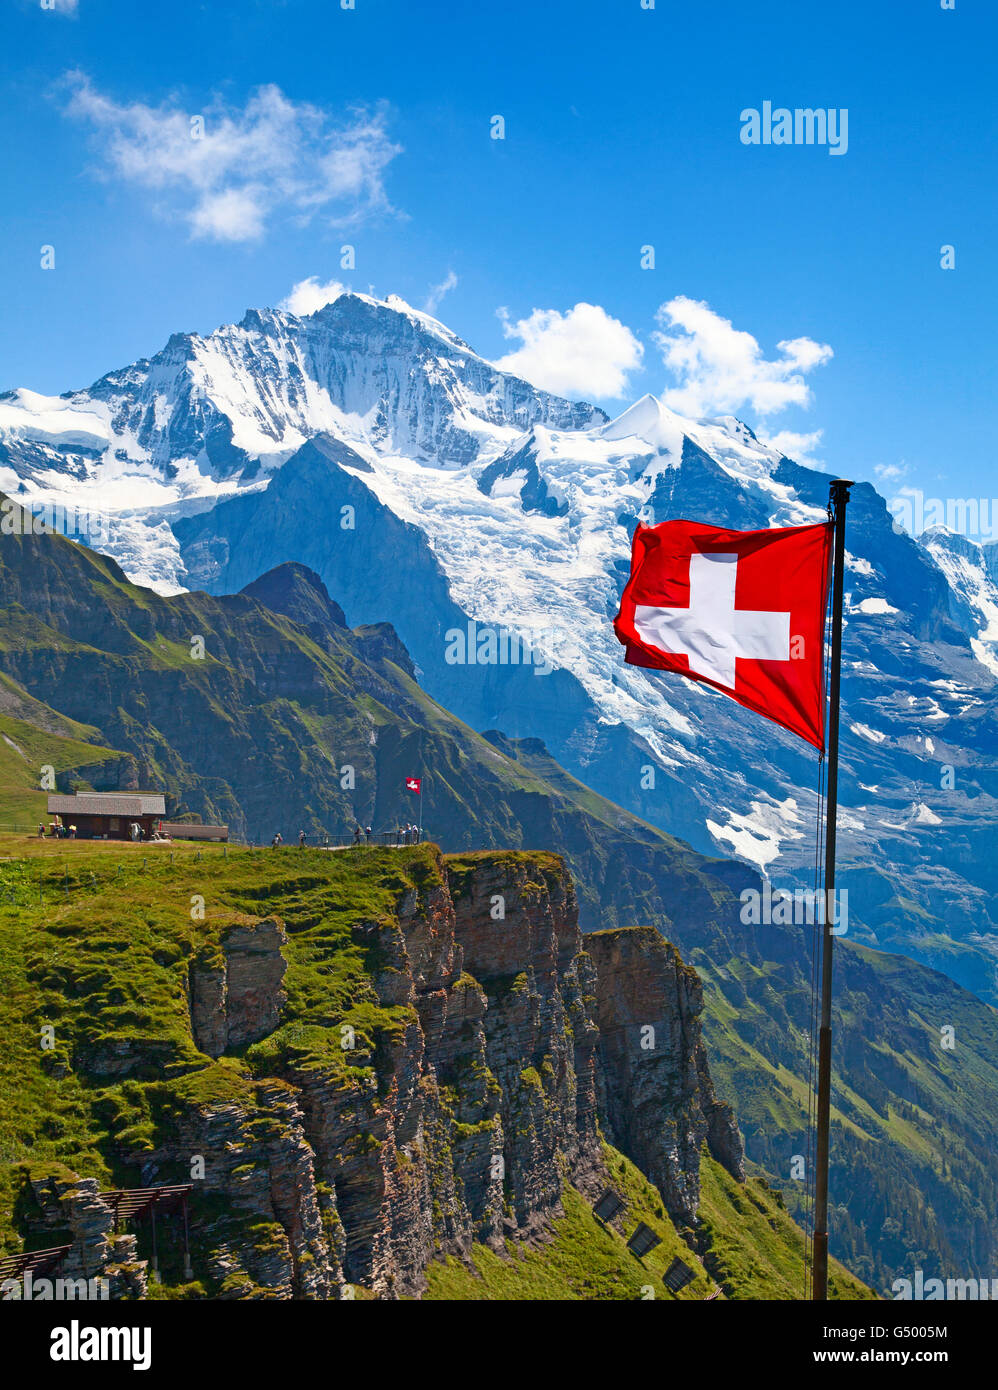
[[236, 994], [660, 1105]]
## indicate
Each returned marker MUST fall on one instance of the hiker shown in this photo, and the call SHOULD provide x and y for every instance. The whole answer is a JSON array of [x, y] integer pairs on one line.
[[302, 837], [357, 832], [277, 841], [398, 835], [72, 832], [368, 832], [41, 830]]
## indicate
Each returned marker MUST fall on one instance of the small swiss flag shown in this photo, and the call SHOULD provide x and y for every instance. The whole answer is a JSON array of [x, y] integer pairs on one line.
[[413, 784], [743, 611]]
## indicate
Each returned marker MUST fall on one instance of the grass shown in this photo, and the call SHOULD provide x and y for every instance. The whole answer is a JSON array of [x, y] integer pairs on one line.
[[581, 1258], [24, 750], [95, 946], [752, 1249], [913, 1122]]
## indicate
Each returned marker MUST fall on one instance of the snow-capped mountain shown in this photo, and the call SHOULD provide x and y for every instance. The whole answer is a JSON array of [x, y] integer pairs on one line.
[[431, 489], [210, 416]]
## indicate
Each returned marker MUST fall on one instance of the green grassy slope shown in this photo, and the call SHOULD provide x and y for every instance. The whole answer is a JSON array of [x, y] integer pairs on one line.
[[913, 1179], [26, 747], [750, 1248], [753, 1247], [98, 941]]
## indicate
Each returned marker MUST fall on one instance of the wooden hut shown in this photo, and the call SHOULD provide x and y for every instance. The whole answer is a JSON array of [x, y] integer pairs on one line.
[[109, 815]]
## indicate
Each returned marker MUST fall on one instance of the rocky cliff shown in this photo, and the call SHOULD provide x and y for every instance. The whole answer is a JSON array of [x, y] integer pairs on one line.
[[660, 1107], [353, 1104], [486, 1096]]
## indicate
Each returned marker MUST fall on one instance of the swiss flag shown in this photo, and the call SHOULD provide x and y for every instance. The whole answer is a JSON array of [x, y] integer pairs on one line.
[[413, 784], [743, 611]]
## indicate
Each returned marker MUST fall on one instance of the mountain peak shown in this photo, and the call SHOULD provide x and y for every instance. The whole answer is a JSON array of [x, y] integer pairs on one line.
[[951, 540], [650, 420], [299, 594]]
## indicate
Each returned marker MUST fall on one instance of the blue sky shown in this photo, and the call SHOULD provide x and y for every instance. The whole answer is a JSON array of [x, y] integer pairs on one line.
[[622, 130]]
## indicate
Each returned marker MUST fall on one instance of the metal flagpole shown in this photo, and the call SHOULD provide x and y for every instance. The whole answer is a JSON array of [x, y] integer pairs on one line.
[[839, 496]]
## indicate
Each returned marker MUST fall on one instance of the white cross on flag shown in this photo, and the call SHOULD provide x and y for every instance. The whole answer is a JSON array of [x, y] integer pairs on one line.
[[413, 784], [743, 611]]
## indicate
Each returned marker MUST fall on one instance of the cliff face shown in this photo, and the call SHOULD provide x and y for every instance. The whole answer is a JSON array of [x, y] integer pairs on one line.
[[516, 1041], [481, 1100], [236, 997], [659, 1100], [516, 920], [347, 1129]]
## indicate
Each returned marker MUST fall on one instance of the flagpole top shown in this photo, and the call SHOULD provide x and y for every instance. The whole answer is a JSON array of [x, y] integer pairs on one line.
[[838, 493]]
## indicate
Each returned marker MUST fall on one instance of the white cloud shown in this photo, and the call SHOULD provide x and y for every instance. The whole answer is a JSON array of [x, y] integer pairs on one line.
[[721, 369], [309, 296], [799, 447], [228, 171], [583, 352], [890, 472], [234, 214], [437, 292], [63, 6]]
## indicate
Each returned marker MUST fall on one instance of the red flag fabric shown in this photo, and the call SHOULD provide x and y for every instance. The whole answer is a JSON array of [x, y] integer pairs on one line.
[[413, 784], [743, 611]]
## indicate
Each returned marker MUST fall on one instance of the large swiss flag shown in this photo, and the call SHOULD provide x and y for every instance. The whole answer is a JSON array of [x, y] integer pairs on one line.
[[743, 611]]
